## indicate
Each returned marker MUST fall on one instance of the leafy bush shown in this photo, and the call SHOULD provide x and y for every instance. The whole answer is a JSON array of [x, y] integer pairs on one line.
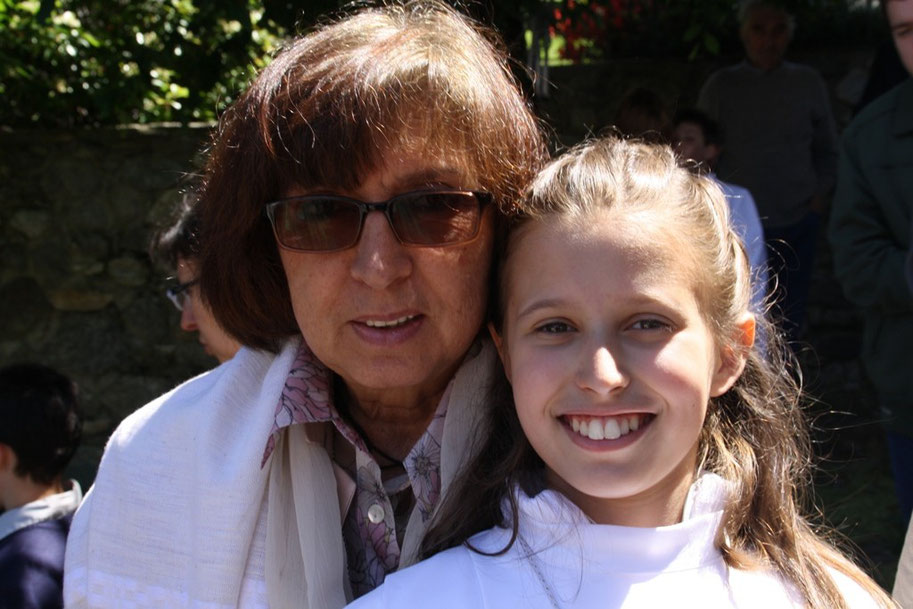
[[87, 62]]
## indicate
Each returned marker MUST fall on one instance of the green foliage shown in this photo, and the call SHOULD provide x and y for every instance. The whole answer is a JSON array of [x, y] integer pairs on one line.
[[88, 62], [104, 62]]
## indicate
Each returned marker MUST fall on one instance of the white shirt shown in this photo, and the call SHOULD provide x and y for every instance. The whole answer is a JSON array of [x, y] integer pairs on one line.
[[743, 215], [47, 508], [575, 564]]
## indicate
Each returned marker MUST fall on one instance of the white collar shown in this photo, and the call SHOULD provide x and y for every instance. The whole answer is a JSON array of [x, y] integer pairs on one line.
[[47, 508], [550, 520]]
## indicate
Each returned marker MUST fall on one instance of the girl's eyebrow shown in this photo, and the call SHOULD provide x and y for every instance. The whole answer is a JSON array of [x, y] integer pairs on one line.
[[643, 300], [545, 303]]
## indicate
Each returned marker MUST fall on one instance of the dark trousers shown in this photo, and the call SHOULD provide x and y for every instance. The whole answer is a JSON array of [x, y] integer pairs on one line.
[[791, 256], [900, 448]]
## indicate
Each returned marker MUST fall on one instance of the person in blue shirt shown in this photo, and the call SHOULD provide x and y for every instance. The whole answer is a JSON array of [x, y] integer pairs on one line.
[[40, 431], [699, 138]]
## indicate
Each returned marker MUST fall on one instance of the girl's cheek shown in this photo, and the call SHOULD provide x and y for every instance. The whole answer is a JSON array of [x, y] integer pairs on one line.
[[537, 366]]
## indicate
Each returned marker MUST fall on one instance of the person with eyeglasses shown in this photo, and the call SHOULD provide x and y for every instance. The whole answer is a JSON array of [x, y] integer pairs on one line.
[[351, 203], [178, 248]]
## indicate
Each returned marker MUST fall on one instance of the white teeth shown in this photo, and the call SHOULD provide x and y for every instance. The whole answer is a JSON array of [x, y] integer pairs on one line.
[[605, 428], [595, 431], [388, 324], [612, 430]]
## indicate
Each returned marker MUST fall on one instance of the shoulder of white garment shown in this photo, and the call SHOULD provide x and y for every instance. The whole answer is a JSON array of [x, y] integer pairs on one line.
[[195, 450], [446, 580]]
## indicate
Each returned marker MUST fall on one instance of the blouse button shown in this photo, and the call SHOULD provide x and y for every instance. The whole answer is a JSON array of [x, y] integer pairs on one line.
[[376, 513]]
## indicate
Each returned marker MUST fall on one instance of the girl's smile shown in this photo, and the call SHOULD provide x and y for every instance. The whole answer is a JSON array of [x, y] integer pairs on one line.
[[611, 361], [606, 428]]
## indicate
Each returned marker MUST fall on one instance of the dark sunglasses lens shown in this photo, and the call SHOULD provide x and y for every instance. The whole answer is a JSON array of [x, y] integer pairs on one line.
[[316, 224], [436, 218]]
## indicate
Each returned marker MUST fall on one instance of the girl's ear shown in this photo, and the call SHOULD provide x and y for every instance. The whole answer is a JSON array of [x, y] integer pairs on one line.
[[502, 351], [732, 358]]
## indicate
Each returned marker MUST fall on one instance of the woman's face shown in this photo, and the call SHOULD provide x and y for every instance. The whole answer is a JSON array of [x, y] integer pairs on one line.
[[197, 317], [394, 322]]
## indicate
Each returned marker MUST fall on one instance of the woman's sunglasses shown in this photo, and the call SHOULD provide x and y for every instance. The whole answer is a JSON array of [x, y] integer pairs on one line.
[[423, 218]]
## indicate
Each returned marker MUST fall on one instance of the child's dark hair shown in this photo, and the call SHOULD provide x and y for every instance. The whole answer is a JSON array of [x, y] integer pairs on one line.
[[642, 113], [754, 435], [713, 133], [181, 239], [39, 420]]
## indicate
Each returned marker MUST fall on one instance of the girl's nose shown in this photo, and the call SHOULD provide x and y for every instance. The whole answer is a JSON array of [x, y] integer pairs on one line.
[[380, 259], [601, 372]]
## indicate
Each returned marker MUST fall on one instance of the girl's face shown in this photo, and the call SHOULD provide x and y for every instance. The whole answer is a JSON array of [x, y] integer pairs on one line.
[[611, 362]]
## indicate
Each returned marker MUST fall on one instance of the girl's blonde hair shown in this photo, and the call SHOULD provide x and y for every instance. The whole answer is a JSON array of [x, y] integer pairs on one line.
[[754, 435]]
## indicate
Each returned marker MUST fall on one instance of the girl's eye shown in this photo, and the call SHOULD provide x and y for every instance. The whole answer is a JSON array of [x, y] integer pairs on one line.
[[650, 324], [554, 327]]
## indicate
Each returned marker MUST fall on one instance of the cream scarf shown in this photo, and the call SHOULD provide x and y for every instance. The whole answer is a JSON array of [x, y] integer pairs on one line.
[[303, 527], [175, 516]]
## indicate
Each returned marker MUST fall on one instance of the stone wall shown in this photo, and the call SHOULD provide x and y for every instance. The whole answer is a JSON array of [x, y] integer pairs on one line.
[[77, 289]]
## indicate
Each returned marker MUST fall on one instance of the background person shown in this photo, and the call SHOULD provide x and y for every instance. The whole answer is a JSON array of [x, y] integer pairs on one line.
[[40, 431], [350, 207], [870, 236], [870, 232], [178, 248], [780, 144], [642, 114], [699, 138]]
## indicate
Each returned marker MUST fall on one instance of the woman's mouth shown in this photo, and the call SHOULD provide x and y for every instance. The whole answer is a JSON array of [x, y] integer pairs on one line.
[[390, 331], [391, 323], [607, 428]]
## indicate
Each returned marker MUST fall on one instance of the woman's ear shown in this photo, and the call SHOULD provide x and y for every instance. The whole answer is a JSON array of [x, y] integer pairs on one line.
[[502, 350], [7, 458], [732, 358]]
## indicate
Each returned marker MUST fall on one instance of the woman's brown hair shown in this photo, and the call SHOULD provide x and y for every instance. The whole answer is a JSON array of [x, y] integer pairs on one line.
[[415, 75], [754, 436]]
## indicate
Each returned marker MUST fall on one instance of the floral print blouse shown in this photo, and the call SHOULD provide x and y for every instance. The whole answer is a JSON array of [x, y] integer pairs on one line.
[[379, 511]]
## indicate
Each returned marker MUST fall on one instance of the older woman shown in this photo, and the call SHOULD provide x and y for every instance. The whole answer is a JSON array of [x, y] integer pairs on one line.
[[350, 209]]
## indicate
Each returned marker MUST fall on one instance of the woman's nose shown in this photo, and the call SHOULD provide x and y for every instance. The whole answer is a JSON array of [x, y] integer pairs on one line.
[[188, 321], [601, 372], [380, 259]]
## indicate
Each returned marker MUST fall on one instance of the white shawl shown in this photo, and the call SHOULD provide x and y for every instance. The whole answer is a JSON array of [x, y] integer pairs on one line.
[[182, 514]]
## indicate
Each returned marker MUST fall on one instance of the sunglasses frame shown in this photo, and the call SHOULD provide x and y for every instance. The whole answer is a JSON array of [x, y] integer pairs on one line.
[[482, 199], [178, 293]]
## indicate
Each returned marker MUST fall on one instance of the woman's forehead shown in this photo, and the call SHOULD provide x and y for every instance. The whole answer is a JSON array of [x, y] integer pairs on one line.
[[398, 171], [420, 166]]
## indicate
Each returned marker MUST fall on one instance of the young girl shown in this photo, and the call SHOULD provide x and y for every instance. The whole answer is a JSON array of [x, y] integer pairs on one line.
[[649, 457]]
